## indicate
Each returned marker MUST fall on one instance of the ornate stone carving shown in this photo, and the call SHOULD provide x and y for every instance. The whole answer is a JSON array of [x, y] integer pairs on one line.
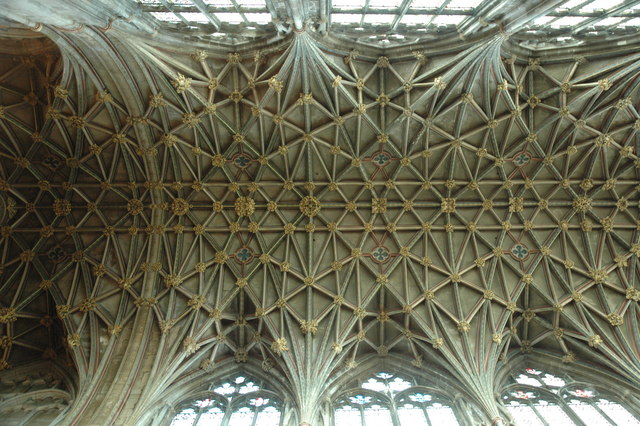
[[310, 206], [244, 206], [448, 205], [181, 83], [280, 345], [61, 207], [180, 206]]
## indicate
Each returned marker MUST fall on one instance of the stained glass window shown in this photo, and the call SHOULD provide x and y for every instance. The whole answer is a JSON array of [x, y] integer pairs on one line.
[[238, 402], [385, 14], [235, 15], [385, 397], [209, 411], [386, 22], [540, 398]]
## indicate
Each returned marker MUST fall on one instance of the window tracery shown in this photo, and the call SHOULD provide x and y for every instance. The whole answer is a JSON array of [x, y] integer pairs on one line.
[[238, 402], [540, 398], [387, 399]]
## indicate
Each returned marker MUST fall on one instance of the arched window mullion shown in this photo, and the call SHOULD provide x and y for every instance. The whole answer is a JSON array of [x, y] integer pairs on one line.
[[551, 398], [240, 398], [255, 416], [580, 394], [528, 395], [537, 413], [198, 415], [616, 410], [602, 413], [569, 412], [425, 413], [393, 400], [227, 414], [394, 412]]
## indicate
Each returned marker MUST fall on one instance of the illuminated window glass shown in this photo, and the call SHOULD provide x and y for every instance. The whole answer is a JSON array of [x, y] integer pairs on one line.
[[219, 3], [237, 402], [194, 17], [591, 16], [363, 408], [571, 4], [238, 13], [258, 18], [449, 19], [540, 398], [384, 4], [426, 4], [616, 412], [463, 4], [567, 21], [208, 411], [230, 17], [253, 4], [348, 4], [607, 22], [346, 18], [385, 18], [165, 16], [386, 396], [594, 410], [601, 5], [415, 19]]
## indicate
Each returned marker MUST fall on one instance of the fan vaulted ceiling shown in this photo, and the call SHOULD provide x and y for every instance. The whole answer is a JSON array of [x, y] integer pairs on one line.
[[303, 186]]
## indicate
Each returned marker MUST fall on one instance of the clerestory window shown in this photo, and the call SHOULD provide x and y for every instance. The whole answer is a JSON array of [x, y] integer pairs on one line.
[[538, 398], [388, 399], [238, 402]]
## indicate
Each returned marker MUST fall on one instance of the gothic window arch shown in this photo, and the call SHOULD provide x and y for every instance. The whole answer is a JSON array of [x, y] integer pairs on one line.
[[387, 399], [539, 398], [241, 401]]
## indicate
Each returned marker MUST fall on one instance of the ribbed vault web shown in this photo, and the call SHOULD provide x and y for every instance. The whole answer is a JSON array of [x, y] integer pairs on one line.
[[306, 210], [26, 84]]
